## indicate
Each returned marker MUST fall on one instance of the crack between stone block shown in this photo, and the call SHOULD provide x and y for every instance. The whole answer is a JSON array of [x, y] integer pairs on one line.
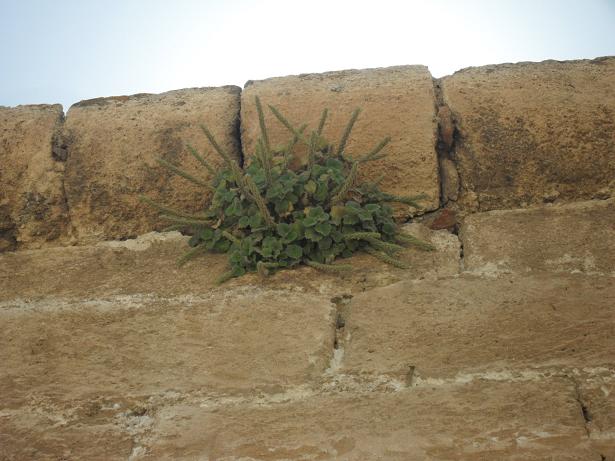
[[445, 147], [585, 411], [340, 333], [237, 133], [462, 261], [60, 148]]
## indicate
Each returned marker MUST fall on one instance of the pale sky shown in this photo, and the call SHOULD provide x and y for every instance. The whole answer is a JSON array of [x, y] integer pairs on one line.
[[63, 51]]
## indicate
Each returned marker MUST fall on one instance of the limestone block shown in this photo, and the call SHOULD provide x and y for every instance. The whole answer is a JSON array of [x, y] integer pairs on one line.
[[466, 328], [596, 392], [395, 101], [482, 420], [230, 341], [575, 237], [32, 205], [147, 265], [113, 144], [532, 132]]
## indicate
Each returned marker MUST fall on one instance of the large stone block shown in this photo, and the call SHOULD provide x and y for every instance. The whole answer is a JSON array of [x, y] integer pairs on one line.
[[485, 420], [534, 132], [468, 328], [596, 393], [239, 340], [111, 268], [575, 237], [147, 265], [395, 101], [32, 205], [113, 144]]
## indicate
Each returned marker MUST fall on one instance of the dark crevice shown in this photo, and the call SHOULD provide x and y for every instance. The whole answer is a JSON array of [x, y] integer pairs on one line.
[[585, 411], [60, 151], [461, 256], [341, 304], [445, 147], [236, 134], [410, 375], [59, 145]]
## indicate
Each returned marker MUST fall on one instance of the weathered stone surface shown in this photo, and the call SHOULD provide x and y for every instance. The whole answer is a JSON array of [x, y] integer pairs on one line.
[[484, 419], [532, 130], [576, 237], [113, 144], [147, 264], [32, 205], [442, 219], [235, 340], [481, 421], [395, 101], [596, 393], [111, 342], [116, 268], [450, 180], [44, 432], [458, 327]]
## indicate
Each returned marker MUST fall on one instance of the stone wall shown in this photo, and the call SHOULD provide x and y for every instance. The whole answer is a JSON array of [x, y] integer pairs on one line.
[[32, 197], [487, 138], [113, 144], [396, 101], [497, 345], [533, 133]]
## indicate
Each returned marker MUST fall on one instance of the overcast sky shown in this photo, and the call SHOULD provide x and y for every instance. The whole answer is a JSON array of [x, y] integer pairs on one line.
[[62, 51]]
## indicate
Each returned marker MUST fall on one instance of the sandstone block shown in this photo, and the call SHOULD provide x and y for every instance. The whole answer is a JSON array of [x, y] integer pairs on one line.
[[596, 392], [38, 432], [111, 268], [113, 144], [575, 237], [468, 328], [238, 340], [528, 130], [504, 421], [147, 265], [32, 205], [395, 101]]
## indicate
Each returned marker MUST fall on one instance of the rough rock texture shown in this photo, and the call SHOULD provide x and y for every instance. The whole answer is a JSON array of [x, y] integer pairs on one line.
[[576, 237], [450, 180], [534, 132], [113, 144], [496, 346], [474, 422], [597, 395], [462, 328], [32, 206], [113, 343], [147, 264], [232, 341], [395, 101]]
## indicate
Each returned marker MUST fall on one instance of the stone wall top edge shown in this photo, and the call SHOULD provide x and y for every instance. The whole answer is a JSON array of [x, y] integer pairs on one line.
[[520, 64], [339, 73], [101, 101], [53, 107]]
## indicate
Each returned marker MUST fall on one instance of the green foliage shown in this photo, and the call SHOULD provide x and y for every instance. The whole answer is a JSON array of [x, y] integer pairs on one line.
[[269, 216]]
